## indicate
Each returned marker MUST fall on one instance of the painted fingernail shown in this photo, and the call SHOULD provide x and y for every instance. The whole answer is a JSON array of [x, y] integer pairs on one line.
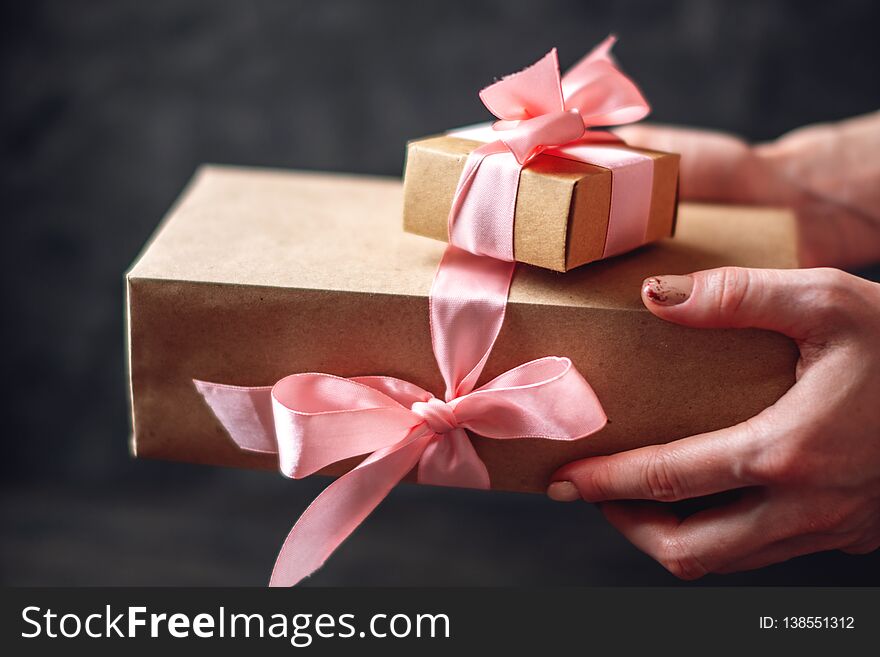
[[668, 290], [563, 491]]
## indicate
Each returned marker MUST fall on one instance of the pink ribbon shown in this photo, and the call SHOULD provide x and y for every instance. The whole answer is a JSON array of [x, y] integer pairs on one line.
[[539, 111], [314, 420]]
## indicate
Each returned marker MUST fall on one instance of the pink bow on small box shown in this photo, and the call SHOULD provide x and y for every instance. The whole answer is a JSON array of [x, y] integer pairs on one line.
[[314, 420], [538, 109]]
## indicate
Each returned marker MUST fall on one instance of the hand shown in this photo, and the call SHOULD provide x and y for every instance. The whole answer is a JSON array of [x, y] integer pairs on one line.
[[808, 467], [828, 174]]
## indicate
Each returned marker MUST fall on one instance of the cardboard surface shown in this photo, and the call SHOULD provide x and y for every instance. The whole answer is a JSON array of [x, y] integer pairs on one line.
[[562, 206], [257, 274]]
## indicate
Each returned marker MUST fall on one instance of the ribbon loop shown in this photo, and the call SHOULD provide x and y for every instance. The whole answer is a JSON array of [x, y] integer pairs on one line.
[[532, 92], [545, 398], [351, 419], [603, 95]]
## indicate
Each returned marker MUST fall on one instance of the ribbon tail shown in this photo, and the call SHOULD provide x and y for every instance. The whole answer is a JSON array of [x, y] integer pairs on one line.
[[341, 507]]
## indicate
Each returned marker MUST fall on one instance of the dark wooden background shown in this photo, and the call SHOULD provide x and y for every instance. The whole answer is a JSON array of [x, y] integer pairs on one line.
[[107, 107]]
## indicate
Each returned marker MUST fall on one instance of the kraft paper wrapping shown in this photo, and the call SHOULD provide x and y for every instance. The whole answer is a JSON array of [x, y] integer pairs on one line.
[[256, 274]]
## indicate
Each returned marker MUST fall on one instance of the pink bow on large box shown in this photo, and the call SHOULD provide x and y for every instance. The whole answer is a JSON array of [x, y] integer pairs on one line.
[[313, 420]]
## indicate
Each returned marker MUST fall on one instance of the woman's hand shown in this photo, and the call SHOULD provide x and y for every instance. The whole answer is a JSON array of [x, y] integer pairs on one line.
[[808, 466], [829, 174]]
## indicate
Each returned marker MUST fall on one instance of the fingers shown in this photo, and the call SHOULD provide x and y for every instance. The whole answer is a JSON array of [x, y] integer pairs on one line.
[[689, 548], [762, 527], [828, 172], [835, 162], [707, 542], [691, 467], [714, 166], [796, 302]]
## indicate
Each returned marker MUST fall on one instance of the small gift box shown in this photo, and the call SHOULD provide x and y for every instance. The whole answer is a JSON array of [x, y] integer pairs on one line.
[[570, 193], [258, 274]]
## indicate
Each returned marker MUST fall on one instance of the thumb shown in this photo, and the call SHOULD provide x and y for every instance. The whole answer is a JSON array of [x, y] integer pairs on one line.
[[795, 302]]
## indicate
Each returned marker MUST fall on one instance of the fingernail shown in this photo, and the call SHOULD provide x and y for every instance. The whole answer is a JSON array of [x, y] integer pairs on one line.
[[563, 491], [668, 290]]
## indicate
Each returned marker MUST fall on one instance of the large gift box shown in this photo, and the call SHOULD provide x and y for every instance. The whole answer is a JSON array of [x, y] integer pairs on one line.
[[258, 274]]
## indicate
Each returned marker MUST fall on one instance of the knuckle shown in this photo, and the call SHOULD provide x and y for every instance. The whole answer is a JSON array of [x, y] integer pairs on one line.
[[773, 467], [676, 557], [751, 467], [783, 463], [661, 479], [832, 278], [831, 292]]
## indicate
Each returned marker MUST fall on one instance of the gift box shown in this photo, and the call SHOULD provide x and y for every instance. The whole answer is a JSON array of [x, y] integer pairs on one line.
[[545, 184], [258, 274], [563, 205]]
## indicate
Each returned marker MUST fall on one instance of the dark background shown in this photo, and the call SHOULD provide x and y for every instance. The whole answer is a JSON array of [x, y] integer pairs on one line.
[[106, 108]]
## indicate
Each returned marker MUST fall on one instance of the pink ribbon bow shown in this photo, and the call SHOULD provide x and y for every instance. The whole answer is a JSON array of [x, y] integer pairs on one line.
[[314, 420], [539, 111], [319, 419]]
